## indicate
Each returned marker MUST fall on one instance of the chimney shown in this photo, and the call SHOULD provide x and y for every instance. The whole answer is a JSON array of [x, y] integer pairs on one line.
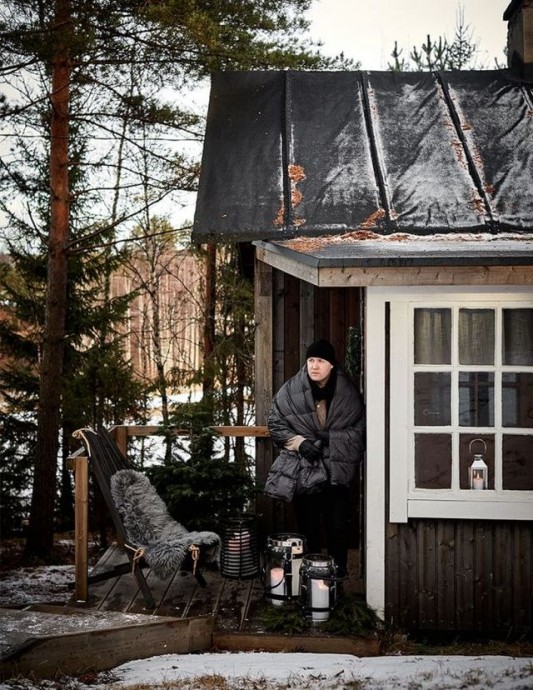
[[519, 18]]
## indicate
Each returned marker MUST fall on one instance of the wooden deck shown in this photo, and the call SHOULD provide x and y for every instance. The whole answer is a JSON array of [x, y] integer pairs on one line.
[[114, 626], [236, 605]]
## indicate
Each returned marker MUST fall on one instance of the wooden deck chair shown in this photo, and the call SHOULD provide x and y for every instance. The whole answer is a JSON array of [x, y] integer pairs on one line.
[[165, 545]]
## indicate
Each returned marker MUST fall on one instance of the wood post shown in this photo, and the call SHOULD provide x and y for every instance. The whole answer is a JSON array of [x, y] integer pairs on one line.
[[120, 436], [81, 515]]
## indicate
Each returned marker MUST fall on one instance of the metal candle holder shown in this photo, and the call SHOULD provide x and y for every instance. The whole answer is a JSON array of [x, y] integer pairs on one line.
[[318, 586], [283, 557], [239, 557]]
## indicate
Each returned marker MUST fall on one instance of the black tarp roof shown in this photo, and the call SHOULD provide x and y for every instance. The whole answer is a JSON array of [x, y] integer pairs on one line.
[[291, 154]]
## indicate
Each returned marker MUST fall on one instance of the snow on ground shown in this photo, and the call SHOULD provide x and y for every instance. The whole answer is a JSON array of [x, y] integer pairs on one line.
[[40, 585], [299, 671], [265, 671], [248, 670]]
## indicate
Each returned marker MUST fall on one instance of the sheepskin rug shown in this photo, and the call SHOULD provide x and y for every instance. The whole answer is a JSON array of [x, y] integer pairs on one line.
[[149, 525]]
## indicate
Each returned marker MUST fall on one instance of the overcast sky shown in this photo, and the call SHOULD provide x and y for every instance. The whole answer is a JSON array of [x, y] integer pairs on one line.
[[366, 29]]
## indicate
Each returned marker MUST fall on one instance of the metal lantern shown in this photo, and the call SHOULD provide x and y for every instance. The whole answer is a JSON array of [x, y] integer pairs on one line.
[[283, 558], [479, 472], [239, 557], [318, 586]]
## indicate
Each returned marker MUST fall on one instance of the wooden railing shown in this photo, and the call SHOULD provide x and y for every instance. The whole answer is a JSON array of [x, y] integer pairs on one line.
[[79, 463]]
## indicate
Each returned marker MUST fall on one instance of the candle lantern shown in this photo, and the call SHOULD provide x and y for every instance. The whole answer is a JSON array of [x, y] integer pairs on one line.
[[239, 558], [283, 558], [479, 472], [318, 586]]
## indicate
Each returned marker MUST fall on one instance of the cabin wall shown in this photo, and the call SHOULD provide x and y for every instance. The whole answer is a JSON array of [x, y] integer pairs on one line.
[[290, 314], [460, 575]]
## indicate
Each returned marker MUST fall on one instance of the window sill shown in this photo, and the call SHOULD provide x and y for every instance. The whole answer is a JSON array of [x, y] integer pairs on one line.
[[473, 505]]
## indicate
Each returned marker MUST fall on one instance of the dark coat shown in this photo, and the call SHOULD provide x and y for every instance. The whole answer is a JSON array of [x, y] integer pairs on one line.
[[292, 413]]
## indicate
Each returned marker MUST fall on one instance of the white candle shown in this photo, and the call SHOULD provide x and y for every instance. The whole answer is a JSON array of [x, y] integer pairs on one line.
[[277, 584], [477, 483], [319, 600]]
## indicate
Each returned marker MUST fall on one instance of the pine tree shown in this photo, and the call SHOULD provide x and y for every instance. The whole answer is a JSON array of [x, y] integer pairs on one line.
[[104, 67], [440, 54]]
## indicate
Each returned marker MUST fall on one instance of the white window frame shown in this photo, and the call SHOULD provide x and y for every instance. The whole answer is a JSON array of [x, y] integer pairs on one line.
[[379, 487], [405, 500]]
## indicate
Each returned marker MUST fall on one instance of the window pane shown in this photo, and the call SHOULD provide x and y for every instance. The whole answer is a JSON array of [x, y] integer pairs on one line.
[[466, 457], [476, 398], [518, 337], [432, 398], [518, 463], [517, 400], [476, 336], [433, 461], [433, 336]]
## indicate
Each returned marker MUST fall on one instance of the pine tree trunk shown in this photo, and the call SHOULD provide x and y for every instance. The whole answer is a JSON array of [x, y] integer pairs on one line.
[[41, 528]]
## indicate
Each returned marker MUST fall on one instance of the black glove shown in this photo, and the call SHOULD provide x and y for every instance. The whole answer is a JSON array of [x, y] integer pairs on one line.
[[323, 436], [309, 451]]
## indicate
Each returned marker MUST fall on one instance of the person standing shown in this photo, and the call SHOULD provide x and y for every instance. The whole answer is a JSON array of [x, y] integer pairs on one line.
[[319, 414]]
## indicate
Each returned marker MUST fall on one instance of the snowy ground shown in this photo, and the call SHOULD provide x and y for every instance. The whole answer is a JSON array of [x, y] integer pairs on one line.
[[264, 671], [247, 671]]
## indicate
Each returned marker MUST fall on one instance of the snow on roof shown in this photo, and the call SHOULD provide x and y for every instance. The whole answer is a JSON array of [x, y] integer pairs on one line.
[[368, 248], [306, 154]]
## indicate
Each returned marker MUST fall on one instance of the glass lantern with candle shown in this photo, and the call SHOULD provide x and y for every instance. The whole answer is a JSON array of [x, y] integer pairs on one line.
[[318, 586], [283, 558], [479, 472]]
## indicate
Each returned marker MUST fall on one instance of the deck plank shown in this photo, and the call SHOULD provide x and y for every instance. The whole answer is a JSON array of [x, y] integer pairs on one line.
[[178, 595], [206, 600], [232, 608]]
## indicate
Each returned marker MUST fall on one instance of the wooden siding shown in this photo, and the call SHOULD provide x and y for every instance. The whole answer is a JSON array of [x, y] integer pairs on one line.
[[460, 575], [290, 314]]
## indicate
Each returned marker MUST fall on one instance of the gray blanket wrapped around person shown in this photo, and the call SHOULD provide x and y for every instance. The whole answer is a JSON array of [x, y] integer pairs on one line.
[[293, 412], [149, 526]]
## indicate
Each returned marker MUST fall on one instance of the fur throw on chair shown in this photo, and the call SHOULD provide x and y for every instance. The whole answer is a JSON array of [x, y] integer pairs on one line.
[[149, 525]]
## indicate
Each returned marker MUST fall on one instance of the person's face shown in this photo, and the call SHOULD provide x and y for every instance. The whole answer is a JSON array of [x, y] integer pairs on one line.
[[319, 370]]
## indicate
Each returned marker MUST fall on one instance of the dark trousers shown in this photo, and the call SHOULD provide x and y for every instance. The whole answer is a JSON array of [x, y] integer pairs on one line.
[[329, 509]]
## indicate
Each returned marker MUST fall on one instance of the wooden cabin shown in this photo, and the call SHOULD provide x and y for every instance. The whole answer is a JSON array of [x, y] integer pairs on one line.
[[393, 214]]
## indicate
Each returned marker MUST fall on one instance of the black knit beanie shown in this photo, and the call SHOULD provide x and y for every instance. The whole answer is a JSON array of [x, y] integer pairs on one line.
[[322, 349]]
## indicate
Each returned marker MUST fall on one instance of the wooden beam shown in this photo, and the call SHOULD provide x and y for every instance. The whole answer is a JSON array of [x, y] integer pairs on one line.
[[263, 380], [361, 276], [294, 268], [244, 642], [307, 317], [90, 642], [81, 521], [263, 340], [425, 275], [239, 431]]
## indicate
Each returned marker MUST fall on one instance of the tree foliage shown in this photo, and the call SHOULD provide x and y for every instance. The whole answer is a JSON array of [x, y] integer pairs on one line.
[[440, 54], [200, 487], [94, 98]]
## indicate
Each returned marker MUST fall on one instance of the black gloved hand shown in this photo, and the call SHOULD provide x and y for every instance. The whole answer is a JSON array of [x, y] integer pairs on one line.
[[309, 451], [323, 436]]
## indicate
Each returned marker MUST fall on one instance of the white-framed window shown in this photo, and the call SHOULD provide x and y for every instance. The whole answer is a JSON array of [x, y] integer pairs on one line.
[[460, 388]]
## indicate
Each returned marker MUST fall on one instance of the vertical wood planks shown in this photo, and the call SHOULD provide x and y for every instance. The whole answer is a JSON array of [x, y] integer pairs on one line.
[[464, 575], [460, 575]]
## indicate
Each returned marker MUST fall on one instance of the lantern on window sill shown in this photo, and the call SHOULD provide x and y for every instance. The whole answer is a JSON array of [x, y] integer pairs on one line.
[[318, 586], [479, 472], [283, 558]]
